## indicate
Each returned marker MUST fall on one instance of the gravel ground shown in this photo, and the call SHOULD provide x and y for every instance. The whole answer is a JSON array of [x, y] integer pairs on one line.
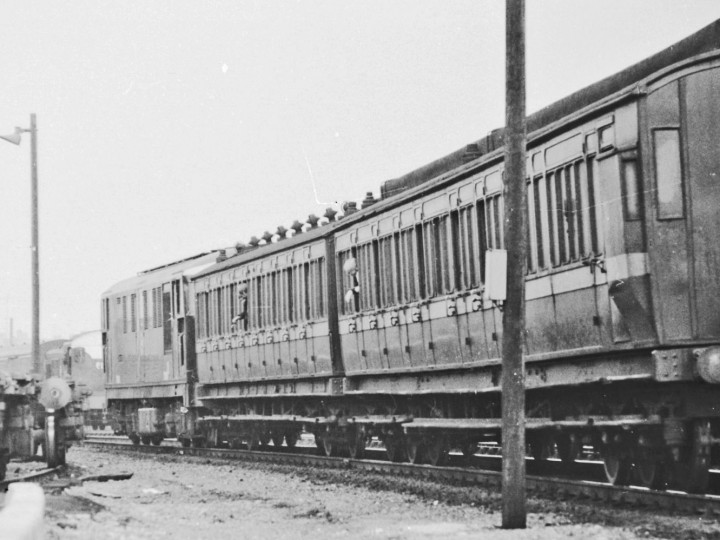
[[191, 498]]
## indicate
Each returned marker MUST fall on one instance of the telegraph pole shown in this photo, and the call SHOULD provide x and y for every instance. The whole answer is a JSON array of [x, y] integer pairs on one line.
[[513, 369]]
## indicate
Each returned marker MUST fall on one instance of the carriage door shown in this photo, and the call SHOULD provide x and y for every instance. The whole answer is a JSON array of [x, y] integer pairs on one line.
[[684, 165], [178, 360]]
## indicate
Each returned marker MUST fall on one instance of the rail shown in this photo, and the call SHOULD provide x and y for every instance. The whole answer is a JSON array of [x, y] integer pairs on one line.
[[553, 488]]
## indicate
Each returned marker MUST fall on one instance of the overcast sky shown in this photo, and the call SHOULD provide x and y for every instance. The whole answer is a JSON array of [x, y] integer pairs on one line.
[[169, 128]]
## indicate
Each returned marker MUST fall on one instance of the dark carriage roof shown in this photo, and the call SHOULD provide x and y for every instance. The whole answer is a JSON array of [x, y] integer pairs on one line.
[[705, 40]]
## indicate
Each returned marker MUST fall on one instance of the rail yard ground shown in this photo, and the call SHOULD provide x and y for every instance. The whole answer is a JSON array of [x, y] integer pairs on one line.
[[194, 498]]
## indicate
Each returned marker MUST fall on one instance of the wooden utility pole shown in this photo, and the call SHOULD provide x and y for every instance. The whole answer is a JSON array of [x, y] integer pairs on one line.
[[37, 359], [513, 369]]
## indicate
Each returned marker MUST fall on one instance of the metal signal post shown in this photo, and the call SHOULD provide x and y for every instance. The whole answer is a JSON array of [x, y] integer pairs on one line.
[[513, 369]]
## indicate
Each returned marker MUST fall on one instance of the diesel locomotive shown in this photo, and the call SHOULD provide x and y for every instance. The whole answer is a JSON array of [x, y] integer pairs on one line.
[[385, 323]]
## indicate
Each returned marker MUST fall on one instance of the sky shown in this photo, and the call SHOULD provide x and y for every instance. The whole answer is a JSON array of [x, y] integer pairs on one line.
[[168, 128]]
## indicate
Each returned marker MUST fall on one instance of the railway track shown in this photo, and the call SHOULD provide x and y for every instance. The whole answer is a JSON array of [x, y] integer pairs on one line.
[[540, 486]]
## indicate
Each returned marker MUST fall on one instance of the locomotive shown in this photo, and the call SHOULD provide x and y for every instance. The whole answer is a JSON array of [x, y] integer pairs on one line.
[[37, 412], [386, 322]]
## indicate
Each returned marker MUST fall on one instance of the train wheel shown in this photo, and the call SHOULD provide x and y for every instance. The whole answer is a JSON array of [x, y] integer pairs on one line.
[[157, 440], [264, 438], [395, 448], [253, 441], [414, 451], [693, 474], [541, 447], [356, 443], [618, 467], [437, 451], [469, 449], [235, 443], [54, 447], [277, 438], [212, 437], [568, 447], [649, 471], [185, 442], [135, 438], [291, 438], [319, 442], [146, 440], [198, 442], [328, 445]]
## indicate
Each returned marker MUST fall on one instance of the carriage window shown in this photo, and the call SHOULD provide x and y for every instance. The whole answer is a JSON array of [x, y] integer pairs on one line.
[[490, 228], [464, 247], [558, 211], [202, 314], [283, 304], [157, 307], [105, 314], [668, 172], [133, 311], [270, 281], [346, 281], [269, 290], [607, 137], [632, 195], [231, 304], [588, 208], [388, 277], [220, 310], [166, 317], [541, 221], [438, 278], [303, 292], [254, 303], [407, 266], [124, 314], [530, 256], [482, 237], [367, 275], [281, 297], [176, 291], [566, 215], [298, 294], [495, 222], [432, 280], [317, 288], [290, 295], [311, 290], [145, 310]]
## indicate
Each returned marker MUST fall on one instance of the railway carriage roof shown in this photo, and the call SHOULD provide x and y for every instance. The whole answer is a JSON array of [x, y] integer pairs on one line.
[[163, 274], [705, 40]]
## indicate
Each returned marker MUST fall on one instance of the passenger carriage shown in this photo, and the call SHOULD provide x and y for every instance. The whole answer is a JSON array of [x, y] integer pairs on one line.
[[148, 349], [388, 322]]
